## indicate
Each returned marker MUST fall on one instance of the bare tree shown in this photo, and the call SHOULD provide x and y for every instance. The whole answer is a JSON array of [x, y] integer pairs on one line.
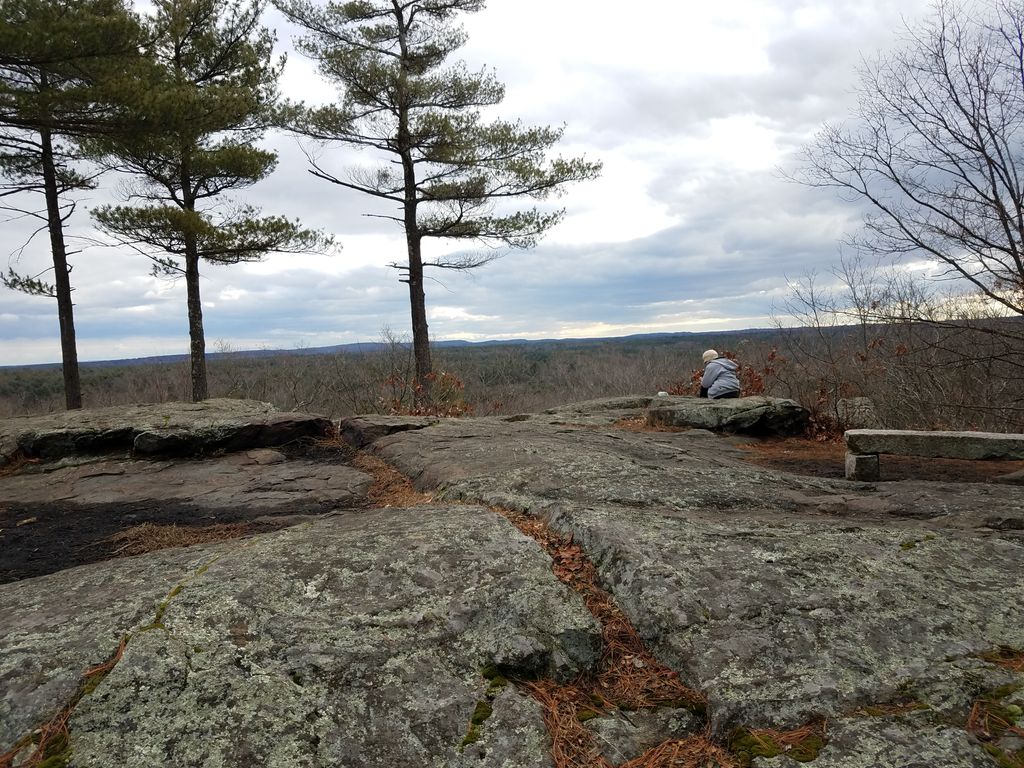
[[929, 358], [935, 149]]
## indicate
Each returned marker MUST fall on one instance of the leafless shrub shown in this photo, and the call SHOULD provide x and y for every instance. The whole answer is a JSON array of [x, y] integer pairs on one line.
[[928, 359]]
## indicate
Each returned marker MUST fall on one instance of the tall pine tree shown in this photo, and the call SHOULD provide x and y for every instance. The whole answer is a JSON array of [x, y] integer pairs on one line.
[[445, 169], [60, 63], [210, 96]]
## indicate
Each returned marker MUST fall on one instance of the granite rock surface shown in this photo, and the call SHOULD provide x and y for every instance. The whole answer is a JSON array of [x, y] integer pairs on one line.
[[357, 640], [364, 637], [786, 599]]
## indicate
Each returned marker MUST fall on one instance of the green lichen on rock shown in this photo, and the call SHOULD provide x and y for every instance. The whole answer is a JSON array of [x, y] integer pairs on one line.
[[699, 709], [746, 745], [56, 749], [472, 737], [911, 543], [807, 750], [481, 712], [165, 604], [496, 682], [54, 752], [58, 752], [93, 682]]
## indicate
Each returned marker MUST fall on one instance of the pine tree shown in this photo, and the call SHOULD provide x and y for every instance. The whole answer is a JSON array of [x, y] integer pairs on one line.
[[59, 62], [445, 169], [210, 95]]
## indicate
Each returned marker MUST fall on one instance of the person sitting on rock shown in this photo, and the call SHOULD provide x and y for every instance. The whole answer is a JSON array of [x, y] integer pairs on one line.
[[719, 380]]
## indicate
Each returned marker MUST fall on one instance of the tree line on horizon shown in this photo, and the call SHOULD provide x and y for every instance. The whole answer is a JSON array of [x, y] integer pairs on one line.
[[910, 372], [176, 100]]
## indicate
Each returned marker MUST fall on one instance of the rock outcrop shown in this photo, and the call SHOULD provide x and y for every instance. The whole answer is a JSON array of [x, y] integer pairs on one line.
[[857, 413], [744, 415], [175, 429], [373, 637]]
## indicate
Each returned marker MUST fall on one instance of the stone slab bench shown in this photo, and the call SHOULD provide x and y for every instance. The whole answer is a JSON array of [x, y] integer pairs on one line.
[[863, 447]]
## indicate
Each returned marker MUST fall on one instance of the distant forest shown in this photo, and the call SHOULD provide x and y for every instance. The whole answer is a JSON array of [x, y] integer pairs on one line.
[[918, 376]]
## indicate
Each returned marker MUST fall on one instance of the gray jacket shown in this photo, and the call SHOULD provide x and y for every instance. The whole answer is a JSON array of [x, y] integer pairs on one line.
[[720, 377]]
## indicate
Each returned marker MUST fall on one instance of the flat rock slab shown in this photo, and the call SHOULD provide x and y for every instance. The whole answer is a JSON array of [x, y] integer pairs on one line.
[[950, 445], [602, 411], [74, 511], [784, 598], [56, 627], [357, 640], [179, 429], [359, 432], [261, 480], [780, 623], [741, 415]]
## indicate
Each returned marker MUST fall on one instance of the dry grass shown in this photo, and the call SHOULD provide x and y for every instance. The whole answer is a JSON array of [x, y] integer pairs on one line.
[[15, 463], [989, 720], [150, 537], [773, 449], [1010, 658], [890, 709], [628, 675], [632, 678], [639, 424], [802, 743], [566, 707], [390, 487], [695, 752], [572, 745]]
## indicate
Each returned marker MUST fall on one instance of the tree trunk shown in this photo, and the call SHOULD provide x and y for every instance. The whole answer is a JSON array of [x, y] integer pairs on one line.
[[196, 334], [420, 336], [417, 298], [62, 278], [197, 338]]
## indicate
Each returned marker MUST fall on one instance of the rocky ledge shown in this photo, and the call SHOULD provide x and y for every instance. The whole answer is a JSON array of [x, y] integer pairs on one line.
[[743, 415], [178, 429], [885, 618]]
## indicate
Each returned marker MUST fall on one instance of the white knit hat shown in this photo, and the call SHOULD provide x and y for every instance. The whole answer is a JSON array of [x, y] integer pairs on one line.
[[710, 355]]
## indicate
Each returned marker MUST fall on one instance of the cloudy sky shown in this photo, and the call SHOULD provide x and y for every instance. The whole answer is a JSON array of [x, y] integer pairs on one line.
[[692, 107]]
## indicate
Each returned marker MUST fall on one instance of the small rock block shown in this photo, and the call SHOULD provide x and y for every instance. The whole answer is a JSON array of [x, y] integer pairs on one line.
[[862, 466]]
